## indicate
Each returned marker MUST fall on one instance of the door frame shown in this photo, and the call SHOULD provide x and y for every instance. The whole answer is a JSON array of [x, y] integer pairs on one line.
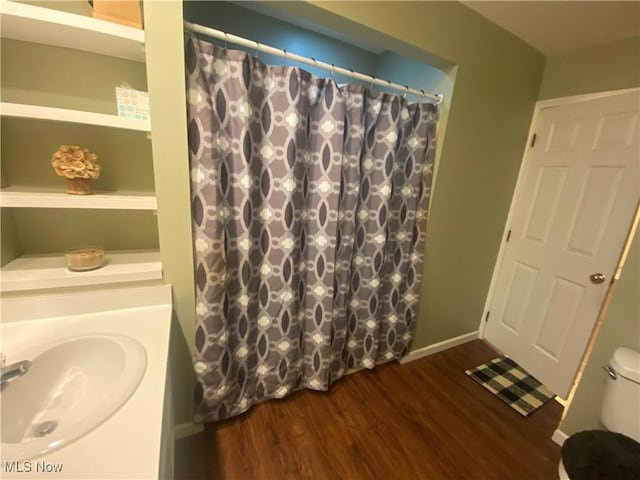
[[539, 106]]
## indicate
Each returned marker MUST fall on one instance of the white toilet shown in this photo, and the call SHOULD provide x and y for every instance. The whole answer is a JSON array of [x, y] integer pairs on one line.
[[620, 414]]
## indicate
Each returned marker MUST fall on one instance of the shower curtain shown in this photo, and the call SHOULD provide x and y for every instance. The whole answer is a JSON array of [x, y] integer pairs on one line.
[[309, 215]]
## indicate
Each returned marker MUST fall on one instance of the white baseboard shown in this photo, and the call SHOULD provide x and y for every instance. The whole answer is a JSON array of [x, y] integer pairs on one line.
[[186, 429], [559, 437], [438, 347]]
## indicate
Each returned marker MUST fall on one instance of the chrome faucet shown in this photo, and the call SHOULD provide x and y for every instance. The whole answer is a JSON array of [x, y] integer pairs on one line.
[[12, 371]]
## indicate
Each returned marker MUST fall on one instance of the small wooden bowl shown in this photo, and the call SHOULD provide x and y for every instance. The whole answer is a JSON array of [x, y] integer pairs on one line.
[[82, 259]]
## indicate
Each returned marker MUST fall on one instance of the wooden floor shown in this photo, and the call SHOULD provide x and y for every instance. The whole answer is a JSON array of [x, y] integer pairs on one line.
[[422, 420]]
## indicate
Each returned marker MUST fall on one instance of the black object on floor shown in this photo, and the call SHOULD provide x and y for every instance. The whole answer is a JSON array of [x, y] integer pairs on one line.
[[599, 455], [514, 385]]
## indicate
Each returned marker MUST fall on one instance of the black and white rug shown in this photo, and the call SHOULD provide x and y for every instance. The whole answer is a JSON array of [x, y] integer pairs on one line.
[[507, 380]]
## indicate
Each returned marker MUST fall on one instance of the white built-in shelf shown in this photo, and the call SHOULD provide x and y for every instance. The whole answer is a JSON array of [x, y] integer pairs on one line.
[[23, 197], [37, 112], [35, 24], [31, 272]]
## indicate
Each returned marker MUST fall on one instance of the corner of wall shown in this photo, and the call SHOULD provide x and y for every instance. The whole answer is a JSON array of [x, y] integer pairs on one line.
[[9, 248], [165, 78]]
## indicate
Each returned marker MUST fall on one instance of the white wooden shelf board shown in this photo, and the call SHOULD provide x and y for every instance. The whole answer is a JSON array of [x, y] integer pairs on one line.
[[31, 272], [35, 24], [37, 112], [18, 197]]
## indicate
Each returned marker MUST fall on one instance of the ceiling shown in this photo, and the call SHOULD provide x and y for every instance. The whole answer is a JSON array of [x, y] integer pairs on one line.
[[555, 27]]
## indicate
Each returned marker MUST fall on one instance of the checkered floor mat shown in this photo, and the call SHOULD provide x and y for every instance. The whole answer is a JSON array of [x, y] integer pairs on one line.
[[506, 379]]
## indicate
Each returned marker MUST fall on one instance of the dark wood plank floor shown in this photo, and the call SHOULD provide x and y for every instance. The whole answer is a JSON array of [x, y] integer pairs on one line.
[[422, 420]]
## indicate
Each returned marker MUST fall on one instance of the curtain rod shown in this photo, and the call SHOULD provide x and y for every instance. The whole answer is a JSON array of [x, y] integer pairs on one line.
[[228, 37]]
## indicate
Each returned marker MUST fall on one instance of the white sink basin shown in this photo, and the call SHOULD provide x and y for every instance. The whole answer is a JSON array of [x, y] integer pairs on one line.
[[73, 386]]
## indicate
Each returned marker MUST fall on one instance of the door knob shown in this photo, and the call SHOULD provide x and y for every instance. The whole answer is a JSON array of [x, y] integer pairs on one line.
[[597, 278]]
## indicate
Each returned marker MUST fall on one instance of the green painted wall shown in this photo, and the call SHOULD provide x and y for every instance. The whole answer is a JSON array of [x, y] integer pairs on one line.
[[9, 248], [125, 156], [165, 70], [65, 78], [620, 328], [52, 230], [496, 85], [611, 66]]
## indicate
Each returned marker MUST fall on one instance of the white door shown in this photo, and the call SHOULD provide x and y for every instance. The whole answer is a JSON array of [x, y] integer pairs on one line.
[[570, 219]]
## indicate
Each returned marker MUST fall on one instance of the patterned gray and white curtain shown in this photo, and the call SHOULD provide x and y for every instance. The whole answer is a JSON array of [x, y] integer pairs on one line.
[[309, 214]]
